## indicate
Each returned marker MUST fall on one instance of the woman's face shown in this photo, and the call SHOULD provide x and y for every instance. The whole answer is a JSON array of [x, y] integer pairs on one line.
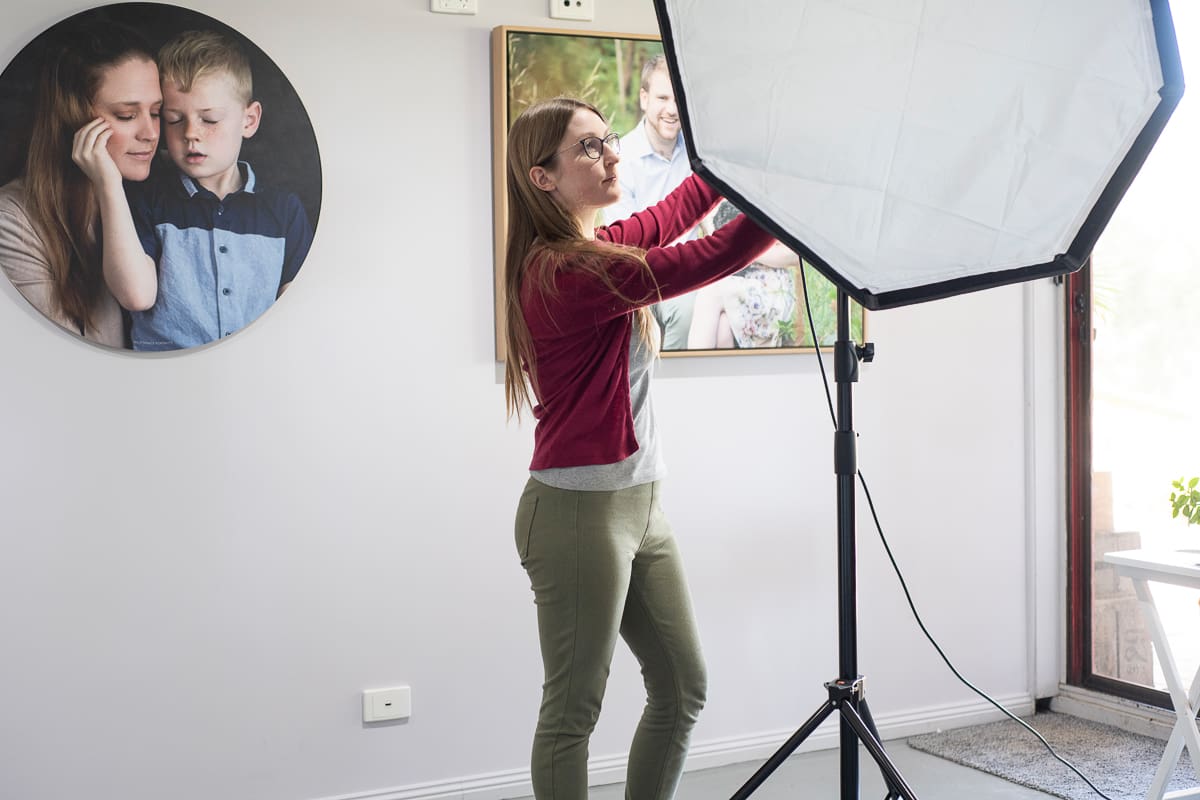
[[129, 98], [583, 184]]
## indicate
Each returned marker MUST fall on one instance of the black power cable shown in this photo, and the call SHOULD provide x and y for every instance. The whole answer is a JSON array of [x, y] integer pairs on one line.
[[904, 584]]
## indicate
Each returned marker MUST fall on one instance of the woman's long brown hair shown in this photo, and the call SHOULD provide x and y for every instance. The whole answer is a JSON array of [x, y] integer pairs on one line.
[[58, 196], [539, 228]]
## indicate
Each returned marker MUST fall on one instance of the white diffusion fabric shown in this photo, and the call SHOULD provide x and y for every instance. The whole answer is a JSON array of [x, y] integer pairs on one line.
[[909, 143]]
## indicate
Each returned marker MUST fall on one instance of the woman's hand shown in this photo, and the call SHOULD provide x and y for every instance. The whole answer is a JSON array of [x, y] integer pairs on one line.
[[89, 150]]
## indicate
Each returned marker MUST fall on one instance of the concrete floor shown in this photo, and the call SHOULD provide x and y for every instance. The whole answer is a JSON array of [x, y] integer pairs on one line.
[[816, 775]]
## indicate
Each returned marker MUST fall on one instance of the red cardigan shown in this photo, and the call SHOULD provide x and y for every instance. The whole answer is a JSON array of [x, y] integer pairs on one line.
[[581, 331]]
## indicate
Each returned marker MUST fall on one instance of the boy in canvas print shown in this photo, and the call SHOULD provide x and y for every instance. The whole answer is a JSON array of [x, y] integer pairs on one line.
[[215, 248]]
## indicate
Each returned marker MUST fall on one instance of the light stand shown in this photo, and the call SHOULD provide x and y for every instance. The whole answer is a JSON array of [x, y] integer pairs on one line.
[[845, 693], [916, 151]]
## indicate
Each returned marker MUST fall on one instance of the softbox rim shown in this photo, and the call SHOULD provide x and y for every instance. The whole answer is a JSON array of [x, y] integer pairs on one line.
[[1072, 260]]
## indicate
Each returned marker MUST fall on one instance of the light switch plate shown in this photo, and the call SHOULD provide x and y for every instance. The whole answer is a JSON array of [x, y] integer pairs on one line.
[[454, 6]]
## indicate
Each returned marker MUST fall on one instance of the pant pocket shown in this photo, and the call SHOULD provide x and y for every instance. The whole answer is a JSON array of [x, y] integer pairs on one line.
[[526, 514]]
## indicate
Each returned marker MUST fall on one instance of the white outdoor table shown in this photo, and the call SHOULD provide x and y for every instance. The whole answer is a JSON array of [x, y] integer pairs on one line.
[[1182, 568]]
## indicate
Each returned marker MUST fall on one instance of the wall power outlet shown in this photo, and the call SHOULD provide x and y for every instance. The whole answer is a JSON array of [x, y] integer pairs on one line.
[[573, 9], [380, 705]]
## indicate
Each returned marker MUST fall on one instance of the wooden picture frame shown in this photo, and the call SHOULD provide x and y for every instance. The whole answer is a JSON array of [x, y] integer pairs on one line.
[[765, 302]]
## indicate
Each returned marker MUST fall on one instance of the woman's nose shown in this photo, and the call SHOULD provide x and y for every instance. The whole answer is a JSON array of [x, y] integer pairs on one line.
[[148, 130], [611, 156]]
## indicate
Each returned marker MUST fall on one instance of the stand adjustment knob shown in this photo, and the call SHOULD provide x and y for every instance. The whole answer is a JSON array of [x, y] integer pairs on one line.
[[866, 352]]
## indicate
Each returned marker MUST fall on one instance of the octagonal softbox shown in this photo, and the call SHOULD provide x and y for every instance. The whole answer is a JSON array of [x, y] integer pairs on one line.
[[916, 149]]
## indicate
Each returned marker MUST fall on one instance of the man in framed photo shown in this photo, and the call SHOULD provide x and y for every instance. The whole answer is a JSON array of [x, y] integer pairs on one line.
[[653, 162]]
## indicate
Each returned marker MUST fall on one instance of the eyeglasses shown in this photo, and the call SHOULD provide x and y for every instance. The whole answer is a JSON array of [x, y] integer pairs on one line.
[[593, 146]]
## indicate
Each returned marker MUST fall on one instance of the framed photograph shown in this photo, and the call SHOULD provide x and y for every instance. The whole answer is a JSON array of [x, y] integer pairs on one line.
[[225, 221], [760, 309]]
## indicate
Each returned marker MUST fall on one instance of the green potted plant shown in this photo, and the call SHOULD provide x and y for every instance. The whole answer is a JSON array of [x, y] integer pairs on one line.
[[1185, 500]]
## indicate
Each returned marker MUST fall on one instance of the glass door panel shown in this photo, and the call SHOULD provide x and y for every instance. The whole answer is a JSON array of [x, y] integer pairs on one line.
[[1145, 387]]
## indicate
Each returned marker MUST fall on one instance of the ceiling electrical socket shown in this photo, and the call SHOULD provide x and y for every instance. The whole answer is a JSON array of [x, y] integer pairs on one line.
[[384, 704], [573, 9], [454, 6]]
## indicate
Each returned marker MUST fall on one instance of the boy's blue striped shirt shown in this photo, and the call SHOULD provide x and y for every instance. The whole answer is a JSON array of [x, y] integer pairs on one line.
[[221, 263]]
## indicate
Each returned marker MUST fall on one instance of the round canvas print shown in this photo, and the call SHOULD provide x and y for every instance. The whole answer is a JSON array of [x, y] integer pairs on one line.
[[160, 181]]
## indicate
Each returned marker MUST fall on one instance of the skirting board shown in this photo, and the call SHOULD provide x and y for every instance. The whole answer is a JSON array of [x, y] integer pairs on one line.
[[714, 753], [1128, 715]]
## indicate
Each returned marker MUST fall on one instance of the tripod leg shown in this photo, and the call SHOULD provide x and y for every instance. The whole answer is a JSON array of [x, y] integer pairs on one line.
[[890, 774], [775, 761], [865, 712]]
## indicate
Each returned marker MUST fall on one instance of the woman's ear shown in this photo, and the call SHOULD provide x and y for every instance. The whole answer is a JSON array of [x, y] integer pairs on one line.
[[541, 178]]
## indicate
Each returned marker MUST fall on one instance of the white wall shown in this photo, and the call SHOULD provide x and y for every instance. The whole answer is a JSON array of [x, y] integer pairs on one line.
[[206, 558]]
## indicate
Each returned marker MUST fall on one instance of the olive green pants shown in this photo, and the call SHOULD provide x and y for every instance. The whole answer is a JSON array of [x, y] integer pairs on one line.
[[602, 564]]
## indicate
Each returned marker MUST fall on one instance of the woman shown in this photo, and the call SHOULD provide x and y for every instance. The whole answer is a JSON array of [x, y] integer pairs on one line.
[[589, 529], [98, 91]]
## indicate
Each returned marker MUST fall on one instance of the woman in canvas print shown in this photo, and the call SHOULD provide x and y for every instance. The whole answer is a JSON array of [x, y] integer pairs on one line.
[[98, 88]]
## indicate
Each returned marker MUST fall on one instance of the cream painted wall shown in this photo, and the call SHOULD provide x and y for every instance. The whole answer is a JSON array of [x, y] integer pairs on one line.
[[207, 557]]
